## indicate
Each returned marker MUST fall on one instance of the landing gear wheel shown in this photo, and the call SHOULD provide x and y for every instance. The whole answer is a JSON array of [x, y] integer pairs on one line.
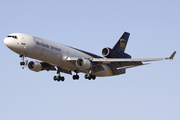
[[86, 76], [89, 77], [55, 78], [75, 77], [22, 63], [58, 78], [93, 77], [62, 78]]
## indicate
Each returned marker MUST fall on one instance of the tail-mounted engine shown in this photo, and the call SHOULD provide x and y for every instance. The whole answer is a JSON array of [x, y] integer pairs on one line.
[[110, 53], [83, 63], [37, 66]]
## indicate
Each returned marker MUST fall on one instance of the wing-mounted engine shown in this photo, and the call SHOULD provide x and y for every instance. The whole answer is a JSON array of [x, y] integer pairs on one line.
[[37, 66], [110, 53], [83, 63]]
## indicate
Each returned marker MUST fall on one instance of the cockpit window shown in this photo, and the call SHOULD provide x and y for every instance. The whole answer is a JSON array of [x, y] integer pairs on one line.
[[12, 36]]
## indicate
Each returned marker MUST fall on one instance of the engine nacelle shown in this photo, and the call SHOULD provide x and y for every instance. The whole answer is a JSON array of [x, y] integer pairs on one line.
[[83, 63], [109, 53], [35, 66]]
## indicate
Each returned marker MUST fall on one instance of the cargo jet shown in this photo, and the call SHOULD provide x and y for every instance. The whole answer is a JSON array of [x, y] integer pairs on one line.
[[66, 59]]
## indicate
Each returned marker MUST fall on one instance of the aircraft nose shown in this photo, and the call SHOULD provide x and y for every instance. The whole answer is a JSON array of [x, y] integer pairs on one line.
[[11, 44], [6, 42]]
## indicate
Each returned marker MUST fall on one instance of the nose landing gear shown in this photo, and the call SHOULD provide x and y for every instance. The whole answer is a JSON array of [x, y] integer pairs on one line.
[[23, 63]]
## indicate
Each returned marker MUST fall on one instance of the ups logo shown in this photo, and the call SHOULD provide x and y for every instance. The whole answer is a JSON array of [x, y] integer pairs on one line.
[[122, 44]]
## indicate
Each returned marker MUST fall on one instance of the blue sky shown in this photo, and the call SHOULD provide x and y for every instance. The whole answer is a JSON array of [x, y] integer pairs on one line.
[[147, 92]]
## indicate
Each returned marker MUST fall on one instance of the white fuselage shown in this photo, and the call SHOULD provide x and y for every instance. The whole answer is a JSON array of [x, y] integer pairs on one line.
[[49, 52]]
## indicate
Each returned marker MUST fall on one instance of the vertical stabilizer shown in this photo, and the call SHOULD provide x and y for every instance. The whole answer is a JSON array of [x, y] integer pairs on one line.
[[121, 44]]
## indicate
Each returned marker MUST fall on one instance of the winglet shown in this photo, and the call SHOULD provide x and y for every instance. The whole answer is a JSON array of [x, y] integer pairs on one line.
[[172, 56]]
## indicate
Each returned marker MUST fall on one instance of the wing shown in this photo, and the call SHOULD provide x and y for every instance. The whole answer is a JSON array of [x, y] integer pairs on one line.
[[122, 63], [112, 60]]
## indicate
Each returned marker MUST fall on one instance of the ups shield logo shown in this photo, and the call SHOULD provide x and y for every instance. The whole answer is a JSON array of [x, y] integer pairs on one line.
[[122, 44]]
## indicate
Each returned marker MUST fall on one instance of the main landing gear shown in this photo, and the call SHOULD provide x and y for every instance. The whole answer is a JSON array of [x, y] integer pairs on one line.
[[58, 78], [76, 77], [90, 76], [87, 76]]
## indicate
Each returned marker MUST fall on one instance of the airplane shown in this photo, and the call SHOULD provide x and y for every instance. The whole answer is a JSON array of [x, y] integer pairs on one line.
[[66, 59]]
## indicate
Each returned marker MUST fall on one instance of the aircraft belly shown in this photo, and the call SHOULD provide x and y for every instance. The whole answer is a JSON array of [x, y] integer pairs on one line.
[[104, 73]]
